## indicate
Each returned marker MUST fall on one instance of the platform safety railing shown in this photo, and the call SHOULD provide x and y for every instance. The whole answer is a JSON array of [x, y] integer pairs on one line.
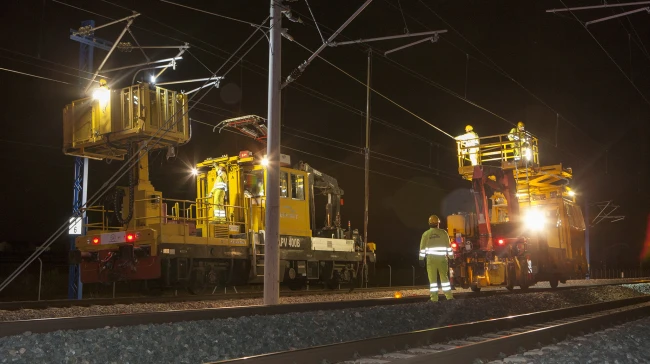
[[499, 149]]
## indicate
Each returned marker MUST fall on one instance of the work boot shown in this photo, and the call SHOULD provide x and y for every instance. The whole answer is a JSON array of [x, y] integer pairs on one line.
[[434, 297], [449, 296]]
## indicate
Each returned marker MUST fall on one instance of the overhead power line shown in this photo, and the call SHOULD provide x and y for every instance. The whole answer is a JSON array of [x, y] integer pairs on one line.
[[35, 76], [214, 14], [333, 160], [492, 65], [377, 92], [264, 72], [608, 55]]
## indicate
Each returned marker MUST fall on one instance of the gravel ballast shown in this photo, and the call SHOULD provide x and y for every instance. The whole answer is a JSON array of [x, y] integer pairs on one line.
[[200, 341], [627, 343], [27, 314]]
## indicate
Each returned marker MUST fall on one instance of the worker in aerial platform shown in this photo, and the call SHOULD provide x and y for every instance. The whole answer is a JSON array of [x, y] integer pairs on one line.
[[469, 144], [218, 194], [521, 144], [434, 249]]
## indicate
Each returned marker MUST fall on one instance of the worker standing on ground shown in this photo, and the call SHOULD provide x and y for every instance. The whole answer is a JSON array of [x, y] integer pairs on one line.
[[469, 144], [218, 194], [434, 248]]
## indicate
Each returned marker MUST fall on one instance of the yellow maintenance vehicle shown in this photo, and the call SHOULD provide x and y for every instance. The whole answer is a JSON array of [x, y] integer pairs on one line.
[[527, 226], [216, 239]]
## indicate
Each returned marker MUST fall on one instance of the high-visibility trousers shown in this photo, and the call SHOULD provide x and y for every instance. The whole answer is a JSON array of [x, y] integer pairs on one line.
[[219, 200], [438, 265]]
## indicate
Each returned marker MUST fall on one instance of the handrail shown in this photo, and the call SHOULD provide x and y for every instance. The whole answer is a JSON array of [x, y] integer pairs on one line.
[[499, 148]]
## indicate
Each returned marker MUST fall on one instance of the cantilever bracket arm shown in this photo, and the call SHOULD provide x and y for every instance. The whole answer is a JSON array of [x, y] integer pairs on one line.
[[646, 9], [117, 41], [409, 35], [301, 68], [89, 30], [617, 5], [433, 39]]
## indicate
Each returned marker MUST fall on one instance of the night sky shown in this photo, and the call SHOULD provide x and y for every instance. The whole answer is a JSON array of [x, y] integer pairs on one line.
[[524, 64]]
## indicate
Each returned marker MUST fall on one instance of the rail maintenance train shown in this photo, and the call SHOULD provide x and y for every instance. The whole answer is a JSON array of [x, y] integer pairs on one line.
[[527, 226], [139, 235]]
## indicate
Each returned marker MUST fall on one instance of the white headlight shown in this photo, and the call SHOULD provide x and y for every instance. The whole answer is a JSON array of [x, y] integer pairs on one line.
[[534, 219]]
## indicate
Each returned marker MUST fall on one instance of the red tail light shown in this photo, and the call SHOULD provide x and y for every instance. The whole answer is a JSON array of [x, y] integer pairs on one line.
[[130, 238], [95, 240], [501, 241], [454, 246]]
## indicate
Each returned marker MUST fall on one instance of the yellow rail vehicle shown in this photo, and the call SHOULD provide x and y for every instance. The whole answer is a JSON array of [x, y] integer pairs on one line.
[[216, 239], [527, 226]]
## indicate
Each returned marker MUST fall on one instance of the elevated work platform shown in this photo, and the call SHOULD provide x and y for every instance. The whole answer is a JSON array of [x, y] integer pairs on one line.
[[499, 151], [103, 126]]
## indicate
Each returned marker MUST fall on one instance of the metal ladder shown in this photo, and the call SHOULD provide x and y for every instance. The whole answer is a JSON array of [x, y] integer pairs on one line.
[[259, 267]]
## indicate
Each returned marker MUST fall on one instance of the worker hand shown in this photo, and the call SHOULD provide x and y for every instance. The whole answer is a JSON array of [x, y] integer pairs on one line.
[[422, 263]]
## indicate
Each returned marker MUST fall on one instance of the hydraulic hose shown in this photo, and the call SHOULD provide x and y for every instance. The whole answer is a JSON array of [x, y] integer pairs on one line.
[[119, 194]]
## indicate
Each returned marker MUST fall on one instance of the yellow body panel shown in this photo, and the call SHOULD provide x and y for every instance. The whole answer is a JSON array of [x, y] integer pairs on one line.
[[101, 129]]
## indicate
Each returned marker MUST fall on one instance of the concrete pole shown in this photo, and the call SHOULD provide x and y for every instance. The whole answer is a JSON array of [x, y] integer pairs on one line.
[[587, 222], [272, 223], [367, 171]]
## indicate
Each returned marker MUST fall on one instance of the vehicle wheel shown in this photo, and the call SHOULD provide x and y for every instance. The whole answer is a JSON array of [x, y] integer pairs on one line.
[[524, 287], [553, 282], [510, 288], [293, 281], [333, 283], [152, 287], [197, 284], [475, 288]]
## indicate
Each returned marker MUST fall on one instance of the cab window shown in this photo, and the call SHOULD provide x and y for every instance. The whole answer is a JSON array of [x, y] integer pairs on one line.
[[284, 192], [297, 187], [254, 183]]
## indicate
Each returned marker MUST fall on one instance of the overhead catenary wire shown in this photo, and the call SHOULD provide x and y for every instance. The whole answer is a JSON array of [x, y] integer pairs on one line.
[[48, 61], [36, 76], [46, 68], [503, 72], [332, 160], [455, 94], [608, 55], [305, 90], [377, 92], [129, 164], [211, 13]]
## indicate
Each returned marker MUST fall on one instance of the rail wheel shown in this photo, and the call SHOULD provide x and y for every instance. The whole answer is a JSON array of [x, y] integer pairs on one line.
[[553, 282], [475, 288], [197, 284], [294, 282]]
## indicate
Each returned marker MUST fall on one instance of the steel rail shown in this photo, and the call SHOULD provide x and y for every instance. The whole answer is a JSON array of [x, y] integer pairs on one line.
[[66, 303], [353, 350], [9, 328]]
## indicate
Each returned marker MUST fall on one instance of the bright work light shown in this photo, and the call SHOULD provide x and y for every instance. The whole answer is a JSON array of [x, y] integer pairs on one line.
[[101, 94], [534, 219]]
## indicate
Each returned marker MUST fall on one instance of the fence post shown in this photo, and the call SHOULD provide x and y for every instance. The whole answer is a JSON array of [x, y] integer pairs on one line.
[[413, 267], [40, 277], [390, 276]]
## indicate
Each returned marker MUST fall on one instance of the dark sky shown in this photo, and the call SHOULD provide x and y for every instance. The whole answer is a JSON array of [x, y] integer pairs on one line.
[[524, 64]]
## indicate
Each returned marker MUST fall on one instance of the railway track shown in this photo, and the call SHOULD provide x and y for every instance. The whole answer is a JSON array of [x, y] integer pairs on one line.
[[44, 325], [65, 303], [451, 344]]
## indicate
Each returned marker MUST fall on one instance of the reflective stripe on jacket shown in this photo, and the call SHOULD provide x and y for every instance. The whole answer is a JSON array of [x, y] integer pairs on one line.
[[435, 242]]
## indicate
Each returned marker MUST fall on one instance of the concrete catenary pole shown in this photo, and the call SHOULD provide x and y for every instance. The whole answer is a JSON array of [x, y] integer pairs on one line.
[[367, 173], [272, 223]]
